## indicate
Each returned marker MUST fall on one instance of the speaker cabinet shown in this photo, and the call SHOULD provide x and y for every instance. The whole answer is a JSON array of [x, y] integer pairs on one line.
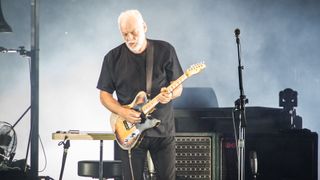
[[197, 156], [287, 155]]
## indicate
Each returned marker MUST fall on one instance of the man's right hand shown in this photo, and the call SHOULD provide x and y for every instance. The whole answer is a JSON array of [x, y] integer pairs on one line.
[[130, 115], [113, 105]]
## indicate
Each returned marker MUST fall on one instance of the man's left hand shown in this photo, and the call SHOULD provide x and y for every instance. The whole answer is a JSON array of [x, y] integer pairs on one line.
[[165, 96]]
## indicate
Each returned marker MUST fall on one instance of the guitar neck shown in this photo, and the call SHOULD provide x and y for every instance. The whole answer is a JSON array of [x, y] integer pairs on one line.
[[152, 103]]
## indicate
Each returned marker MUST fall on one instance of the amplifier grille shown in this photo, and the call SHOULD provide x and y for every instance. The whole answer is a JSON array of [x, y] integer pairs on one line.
[[194, 156]]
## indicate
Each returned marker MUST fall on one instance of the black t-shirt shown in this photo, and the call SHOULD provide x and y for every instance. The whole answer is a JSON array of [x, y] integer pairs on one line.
[[125, 72]]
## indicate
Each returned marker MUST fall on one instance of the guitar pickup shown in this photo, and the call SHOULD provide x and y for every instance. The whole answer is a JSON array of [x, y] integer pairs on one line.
[[127, 125]]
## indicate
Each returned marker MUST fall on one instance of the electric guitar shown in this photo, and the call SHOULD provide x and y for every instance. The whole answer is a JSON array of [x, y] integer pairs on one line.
[[129, 135]]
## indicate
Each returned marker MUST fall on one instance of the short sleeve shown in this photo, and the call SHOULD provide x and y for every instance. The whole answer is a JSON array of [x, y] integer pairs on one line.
[[105, 82], [173, 69]]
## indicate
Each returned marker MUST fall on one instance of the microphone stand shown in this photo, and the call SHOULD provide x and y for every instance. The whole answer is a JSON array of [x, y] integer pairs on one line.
[[240, 108], [66, 145], [22, 51]]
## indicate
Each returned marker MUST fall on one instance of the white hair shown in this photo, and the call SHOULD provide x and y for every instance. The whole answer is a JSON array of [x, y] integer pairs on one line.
[[133, 12]]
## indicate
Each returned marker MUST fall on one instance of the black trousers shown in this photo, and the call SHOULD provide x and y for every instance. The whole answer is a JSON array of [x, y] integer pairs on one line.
[[162, 150]]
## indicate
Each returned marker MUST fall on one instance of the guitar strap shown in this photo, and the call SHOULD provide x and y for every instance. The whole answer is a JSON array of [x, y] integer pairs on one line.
[[149, 67]]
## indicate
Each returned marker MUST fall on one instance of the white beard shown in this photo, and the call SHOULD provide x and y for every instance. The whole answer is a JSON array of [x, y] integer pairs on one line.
[[138, 46]]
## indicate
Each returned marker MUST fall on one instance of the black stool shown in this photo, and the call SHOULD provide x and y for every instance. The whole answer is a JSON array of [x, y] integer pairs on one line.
[[111, 169]]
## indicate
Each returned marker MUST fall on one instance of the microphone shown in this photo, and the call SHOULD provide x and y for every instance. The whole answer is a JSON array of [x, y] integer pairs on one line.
[[237, 32], [254, 163]]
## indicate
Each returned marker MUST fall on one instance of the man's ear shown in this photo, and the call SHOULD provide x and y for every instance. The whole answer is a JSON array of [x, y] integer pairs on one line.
[[145, 28]]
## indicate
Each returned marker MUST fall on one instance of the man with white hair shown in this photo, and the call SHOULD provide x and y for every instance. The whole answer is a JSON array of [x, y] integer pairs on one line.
[[124, 72]]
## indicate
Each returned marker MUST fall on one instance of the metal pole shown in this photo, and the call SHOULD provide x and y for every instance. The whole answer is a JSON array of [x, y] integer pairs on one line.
[[34, 156], [101, 161], [240, 107]]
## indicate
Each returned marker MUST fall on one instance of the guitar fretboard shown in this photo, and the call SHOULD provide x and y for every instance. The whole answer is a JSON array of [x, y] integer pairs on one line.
[[152, 103]]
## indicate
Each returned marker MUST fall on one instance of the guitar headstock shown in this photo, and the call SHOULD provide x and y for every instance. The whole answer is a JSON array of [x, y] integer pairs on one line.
[[195, 68]]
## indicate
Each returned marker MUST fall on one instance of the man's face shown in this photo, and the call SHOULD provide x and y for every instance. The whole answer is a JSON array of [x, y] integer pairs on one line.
[[133, 33]]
